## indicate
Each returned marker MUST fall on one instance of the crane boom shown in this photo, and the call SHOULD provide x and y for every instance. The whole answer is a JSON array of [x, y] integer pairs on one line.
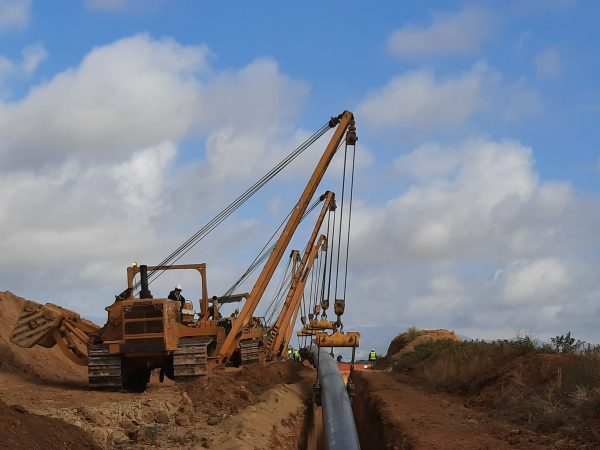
[[343, 122], [290, 310], [279, 328]]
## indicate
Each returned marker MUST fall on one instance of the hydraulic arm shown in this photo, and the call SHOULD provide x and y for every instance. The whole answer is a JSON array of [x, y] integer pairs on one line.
[[281, 330], [345, 127]]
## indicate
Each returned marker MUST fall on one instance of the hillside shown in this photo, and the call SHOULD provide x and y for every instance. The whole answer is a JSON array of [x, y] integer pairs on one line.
[[541, 389]]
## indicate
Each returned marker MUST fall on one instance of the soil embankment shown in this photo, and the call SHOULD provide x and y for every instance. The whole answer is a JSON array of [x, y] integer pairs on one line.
[[391, 413], [43, 396], [436, 391], [21, 430]]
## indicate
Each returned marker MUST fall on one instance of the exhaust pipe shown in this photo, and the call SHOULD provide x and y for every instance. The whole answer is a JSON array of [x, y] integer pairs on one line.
[[145, 291]]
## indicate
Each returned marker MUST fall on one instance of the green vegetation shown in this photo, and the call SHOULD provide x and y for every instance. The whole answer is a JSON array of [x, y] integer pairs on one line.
[[411, 333], [547, 388]]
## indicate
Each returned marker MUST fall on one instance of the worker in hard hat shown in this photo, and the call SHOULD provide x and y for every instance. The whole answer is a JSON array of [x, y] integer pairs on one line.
[[175, 294], [290, 353], [372, 358], [296, 355]]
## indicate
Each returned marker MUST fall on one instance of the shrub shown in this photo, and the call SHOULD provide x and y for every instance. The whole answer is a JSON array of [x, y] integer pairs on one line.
[[565, 343]]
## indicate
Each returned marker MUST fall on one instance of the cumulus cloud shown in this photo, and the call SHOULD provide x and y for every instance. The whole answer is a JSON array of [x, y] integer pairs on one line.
[[459, 33], [14, 14], [418, 102], [476, 199], [122, 96], [542, 280], [93, 173], [548, 63], [475, 241]]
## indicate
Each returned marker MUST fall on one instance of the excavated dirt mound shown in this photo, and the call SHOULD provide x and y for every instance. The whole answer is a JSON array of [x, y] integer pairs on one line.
[[22, 430], [232, 409], [225, 393], [38, 363], [407, 342]]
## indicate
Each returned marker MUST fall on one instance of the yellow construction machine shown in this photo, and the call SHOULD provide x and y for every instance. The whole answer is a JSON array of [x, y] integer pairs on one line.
[[143, 333]]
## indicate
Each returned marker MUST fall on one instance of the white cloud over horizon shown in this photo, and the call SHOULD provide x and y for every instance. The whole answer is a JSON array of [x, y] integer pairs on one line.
[[459, 33], [478, 243], [417, 103]]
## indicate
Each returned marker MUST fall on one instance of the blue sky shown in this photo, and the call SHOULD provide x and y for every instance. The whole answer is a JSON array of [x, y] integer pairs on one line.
[[339, 48], [478, 168]]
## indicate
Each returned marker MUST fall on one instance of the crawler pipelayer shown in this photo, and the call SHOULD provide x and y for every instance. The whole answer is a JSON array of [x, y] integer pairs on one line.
[[144, 333]]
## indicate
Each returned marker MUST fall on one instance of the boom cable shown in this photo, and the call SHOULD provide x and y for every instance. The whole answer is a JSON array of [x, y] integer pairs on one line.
[[190, 243]]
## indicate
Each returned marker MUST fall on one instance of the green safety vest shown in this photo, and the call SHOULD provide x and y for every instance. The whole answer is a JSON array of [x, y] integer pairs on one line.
[[289, 352], [296, 354], [372, 356]]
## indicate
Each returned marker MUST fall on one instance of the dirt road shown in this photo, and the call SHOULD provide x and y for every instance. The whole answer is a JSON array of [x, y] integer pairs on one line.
[[393, 414]]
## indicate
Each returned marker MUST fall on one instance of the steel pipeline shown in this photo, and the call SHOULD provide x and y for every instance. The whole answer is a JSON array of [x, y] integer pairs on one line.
[[338, 420]]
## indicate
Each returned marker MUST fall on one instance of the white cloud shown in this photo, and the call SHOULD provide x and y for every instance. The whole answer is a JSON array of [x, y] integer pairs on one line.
[[476, 242], [548, 63], [93, 174], [448, 34], [127, 95], [33, 55], [476, 199], [418, 103], [539, 281], [14, 14]]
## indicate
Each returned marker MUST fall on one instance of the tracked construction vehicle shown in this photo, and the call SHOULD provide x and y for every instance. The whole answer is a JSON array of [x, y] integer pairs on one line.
[[143, 333]]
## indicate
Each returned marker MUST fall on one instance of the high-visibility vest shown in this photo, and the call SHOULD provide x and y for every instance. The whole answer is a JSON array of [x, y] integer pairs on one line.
[[289, 352], [372, 356], [296, 354]]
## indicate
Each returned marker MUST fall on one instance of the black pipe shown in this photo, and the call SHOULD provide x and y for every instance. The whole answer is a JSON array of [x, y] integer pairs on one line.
[[338, 420], [144, 291]]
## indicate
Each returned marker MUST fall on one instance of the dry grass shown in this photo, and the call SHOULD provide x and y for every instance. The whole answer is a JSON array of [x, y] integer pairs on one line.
[[534, 386]]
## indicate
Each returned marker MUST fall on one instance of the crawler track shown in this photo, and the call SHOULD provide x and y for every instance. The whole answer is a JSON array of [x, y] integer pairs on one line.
[[249, 351], [104, 369], [190, 358]]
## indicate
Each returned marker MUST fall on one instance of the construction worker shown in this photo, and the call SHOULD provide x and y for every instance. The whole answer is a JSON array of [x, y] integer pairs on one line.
[[296, 355], [372, 358], [290, 353], [175, 294]]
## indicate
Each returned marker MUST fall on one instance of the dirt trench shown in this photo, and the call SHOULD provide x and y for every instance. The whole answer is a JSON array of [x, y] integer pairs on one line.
[[392, 413], [375, 430]]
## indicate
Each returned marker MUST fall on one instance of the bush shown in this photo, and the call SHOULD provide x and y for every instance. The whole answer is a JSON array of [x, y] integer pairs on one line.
[[565, 343]]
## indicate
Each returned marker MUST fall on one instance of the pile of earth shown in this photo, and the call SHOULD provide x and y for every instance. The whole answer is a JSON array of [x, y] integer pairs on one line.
[[231, 404], [407, 341], [20, 429], [226, 392], [47, 364]]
